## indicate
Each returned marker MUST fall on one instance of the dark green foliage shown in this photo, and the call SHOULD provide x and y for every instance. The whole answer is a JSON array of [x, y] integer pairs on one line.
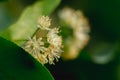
[[16, 64]]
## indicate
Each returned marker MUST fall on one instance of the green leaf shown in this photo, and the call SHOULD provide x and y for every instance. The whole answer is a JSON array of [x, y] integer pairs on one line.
[[16, 64], [27, 24]]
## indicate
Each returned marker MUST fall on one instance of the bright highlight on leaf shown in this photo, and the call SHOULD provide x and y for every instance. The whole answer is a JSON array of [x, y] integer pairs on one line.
[[26, 26]]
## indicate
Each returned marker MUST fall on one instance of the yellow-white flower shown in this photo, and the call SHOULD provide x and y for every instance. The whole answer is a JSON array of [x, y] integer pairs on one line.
[[53, 38], [37, 45], [79, 24], [36, 48], [33, 45], [55, 42], [44, 22]]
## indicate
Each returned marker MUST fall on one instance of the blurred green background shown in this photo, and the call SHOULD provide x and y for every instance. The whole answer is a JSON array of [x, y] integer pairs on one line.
[[100, 59]]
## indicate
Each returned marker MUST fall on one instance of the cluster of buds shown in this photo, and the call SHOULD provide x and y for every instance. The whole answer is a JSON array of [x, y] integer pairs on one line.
[[45, 48], [79, 24]]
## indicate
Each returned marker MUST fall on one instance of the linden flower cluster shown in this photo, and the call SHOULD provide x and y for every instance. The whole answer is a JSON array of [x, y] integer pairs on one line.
[[45, 50], [79, 24]]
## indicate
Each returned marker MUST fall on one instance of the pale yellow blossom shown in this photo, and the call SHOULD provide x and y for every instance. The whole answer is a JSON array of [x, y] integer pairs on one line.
[[37, 47], [44, 22], [75, 20]]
